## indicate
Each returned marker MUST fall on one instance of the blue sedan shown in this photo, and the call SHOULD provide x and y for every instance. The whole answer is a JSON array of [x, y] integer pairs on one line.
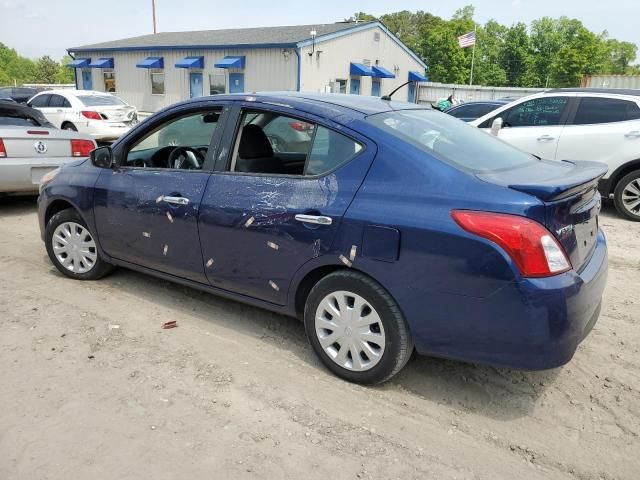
[[386, 228]]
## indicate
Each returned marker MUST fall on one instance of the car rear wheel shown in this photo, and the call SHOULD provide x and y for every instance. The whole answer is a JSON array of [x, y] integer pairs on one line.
[[356, 328], [627, 196], [69, 126], [72, 248]]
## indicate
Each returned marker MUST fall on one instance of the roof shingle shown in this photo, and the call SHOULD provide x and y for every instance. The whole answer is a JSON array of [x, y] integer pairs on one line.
[[287, 35]]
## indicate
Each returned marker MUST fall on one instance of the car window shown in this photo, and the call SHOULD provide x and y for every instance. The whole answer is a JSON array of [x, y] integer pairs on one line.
[[538, 112], [24, 91], [5, 93], [17, 120], [99, 100], [451, 140], [40, 101], [56, 101], [270, 143], [193, 132], [605, 110]]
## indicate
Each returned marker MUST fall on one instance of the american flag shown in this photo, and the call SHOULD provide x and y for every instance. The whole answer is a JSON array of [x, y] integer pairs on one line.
[[467, 40]]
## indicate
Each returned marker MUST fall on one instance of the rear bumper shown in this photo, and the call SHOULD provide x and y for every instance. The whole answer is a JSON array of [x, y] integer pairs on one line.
[[101, 130], [22, 175], [533, 324]]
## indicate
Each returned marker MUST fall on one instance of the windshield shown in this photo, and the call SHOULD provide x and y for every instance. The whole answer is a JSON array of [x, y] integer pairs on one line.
[[99, 100], [451, 140]]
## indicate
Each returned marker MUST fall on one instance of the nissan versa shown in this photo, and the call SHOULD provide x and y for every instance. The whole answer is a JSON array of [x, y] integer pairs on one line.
[[385, 227]]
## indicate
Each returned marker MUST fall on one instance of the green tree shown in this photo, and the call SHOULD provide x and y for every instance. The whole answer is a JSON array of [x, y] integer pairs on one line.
[[46, 70], [64, 73], [516, 59]]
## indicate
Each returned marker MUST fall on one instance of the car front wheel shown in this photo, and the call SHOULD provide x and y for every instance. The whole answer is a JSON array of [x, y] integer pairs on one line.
[[356, 328], [627, 196], [72, 248]]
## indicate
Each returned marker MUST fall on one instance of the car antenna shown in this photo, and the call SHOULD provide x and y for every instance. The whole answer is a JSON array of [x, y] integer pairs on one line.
[[388, 97]]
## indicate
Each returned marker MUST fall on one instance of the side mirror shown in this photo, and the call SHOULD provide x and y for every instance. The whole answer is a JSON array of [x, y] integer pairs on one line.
[[496, 126], [102, 157]]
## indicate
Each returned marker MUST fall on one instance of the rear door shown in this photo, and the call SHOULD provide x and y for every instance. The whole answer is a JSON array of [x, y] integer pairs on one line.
[[146, 210], [57, 109], [41, 102], [535, 125], [603, 129], [270, 206]]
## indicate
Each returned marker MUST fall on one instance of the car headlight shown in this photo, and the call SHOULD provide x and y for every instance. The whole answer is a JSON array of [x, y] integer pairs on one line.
[[47, 177]]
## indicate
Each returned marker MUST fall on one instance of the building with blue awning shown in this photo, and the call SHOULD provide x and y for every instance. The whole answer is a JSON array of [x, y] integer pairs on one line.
[[153, 71]]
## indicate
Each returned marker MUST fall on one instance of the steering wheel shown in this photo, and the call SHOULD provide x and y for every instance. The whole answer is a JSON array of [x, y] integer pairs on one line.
[[185, 157]]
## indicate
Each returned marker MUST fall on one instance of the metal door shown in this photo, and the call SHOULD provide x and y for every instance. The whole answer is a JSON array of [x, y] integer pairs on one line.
[[355, 86], [236, 82], [375, 88], [87, 83], [195, 84]]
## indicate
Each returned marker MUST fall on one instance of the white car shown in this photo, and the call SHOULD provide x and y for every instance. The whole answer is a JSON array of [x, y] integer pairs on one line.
[[601, 125], [101, 115], [30, 148]]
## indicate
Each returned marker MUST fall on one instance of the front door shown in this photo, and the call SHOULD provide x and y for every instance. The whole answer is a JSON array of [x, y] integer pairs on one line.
[[195, 84], [375, 87], [236, 83], [273, 206], [87, 83], [412, 93], [146, 210], [535, 125], [355, 86]]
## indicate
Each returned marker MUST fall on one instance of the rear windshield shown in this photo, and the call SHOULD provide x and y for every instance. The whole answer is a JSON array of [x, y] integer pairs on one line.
[[17, 121], [99, 100], [451, 140]]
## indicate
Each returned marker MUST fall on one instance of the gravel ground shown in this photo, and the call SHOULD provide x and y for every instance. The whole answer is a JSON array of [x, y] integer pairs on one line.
[[92, 388]]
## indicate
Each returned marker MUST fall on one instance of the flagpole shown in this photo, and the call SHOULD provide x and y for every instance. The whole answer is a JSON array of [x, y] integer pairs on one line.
[[473, 52]]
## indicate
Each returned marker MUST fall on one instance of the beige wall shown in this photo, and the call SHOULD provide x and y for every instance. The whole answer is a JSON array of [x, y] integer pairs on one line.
[[266, 69], [318, 71]]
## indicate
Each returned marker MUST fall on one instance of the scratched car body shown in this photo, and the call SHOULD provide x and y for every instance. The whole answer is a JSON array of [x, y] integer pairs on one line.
[[388, 228]]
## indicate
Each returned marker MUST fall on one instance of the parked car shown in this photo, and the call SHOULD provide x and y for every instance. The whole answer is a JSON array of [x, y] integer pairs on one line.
[[101, 115], [580, 124], [471, 110], [30, 147], [18, 94], [396, 227]]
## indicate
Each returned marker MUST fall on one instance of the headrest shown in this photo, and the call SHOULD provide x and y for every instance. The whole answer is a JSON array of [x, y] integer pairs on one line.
[[254, 143]]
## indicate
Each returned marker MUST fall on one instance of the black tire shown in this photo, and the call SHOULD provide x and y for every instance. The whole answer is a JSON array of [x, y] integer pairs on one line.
[[617, 195], [99, 269], [398, 341], [69, 126]]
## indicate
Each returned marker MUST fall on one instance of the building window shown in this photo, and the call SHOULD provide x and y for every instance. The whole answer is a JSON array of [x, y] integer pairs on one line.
[[157, 83], [340, 86], [217, 83], [109, 81]]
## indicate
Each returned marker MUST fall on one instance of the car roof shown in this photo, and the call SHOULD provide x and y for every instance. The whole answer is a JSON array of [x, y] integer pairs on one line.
[[609, 91], [336, 103], [73, 91]]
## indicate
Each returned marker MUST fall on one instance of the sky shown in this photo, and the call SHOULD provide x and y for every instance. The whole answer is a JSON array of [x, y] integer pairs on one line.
[[48, 27]]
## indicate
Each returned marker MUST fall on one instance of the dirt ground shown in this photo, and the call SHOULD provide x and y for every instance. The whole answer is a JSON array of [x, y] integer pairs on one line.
[[92, 388]]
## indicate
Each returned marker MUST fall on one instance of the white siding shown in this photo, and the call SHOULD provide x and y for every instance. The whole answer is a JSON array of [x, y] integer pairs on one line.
[[337, 54], [266, 69]]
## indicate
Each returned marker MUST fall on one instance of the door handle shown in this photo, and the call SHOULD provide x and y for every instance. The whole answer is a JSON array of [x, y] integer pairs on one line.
[[545, 138], [315, 219], [633, 134], [59, 111], [176, 200]]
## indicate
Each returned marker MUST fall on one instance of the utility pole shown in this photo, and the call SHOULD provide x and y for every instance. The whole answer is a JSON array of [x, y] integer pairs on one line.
[[153, 9]]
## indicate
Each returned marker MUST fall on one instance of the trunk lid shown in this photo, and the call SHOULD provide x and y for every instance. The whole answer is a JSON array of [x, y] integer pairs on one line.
[[569, 191], [116, 114], [34, 142]]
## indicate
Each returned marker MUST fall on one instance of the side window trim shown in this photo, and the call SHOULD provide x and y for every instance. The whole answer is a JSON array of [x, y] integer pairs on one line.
[[123, 149]]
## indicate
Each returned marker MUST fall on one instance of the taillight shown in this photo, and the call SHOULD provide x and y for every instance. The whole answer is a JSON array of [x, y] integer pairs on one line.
[[91, 115], [301, 126], [530, 245], [3, 151], [81, 148]]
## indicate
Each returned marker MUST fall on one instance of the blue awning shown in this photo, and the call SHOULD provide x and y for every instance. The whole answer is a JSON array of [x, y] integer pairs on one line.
[[102, 63], [359, 69], [79, 63], [151, 62], [230, 62], [417, 77], [382, 72], [191, 62]]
